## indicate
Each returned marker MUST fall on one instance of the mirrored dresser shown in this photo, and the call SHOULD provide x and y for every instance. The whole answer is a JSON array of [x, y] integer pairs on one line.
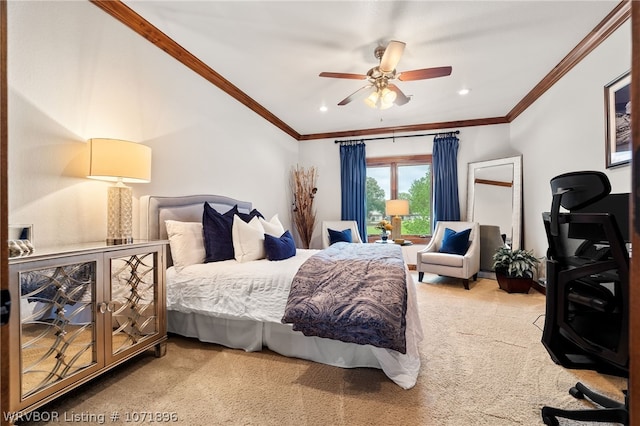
[[78, 311]]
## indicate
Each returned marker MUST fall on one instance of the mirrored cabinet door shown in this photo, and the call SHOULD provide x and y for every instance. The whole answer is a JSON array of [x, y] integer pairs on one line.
[[58, 334], [132, 302]]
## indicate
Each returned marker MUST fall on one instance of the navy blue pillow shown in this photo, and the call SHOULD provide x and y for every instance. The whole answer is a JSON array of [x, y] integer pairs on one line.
[[455, 242], [279, 248], [338, 236], [218, 241], [218, 244], [248, 216]]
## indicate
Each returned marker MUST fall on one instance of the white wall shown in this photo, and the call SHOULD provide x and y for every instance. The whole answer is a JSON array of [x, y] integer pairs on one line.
[[77, 73], [476, 143], [564, 131]]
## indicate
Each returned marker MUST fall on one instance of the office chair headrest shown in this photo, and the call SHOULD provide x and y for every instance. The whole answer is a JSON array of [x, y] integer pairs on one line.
[[576, 190], [579, 189]]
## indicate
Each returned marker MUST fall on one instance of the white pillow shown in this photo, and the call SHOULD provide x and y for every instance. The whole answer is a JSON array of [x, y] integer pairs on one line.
[[248, 239], [273, 227], [186, 242]]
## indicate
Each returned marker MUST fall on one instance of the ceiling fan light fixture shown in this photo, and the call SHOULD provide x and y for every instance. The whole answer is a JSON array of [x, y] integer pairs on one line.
[[380, 76], [372, 99], [381, 99], [388, 96], [385, 105]]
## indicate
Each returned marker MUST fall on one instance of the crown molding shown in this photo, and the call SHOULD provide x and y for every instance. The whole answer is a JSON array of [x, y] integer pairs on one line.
[[137, 23], [404, 129], [127, 16], [604, 29]]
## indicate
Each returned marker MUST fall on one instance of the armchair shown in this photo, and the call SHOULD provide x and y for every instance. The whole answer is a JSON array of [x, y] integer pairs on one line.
[[339, 225], [464, 266]]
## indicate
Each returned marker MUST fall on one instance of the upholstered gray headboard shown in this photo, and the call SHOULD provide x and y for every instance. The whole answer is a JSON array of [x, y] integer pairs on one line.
[[154, 210]]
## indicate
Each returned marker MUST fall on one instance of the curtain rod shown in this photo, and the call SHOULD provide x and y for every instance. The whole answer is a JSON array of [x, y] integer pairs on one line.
[[401, 136]]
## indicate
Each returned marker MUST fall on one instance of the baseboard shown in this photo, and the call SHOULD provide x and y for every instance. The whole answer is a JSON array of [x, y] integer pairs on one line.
[[487, 274], [540, 285]]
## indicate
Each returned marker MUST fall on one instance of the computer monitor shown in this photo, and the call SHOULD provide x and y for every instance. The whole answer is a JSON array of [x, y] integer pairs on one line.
[[615, 204]]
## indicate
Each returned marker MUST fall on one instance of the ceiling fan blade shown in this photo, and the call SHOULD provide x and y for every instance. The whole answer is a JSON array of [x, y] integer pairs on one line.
[[360, 93], [425, 73], [391, 56], [401, 98], [343, 75]]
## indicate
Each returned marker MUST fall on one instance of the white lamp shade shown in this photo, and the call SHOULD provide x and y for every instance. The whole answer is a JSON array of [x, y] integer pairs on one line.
[[397, 207], [118, 160], [388, 96], [372, 99]]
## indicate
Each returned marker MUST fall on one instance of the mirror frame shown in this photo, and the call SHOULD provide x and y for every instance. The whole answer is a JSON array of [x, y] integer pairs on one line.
[[516, 217]]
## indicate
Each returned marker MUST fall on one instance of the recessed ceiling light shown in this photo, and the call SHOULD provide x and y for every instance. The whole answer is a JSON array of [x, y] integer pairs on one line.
[[323, 108], [463, 92]]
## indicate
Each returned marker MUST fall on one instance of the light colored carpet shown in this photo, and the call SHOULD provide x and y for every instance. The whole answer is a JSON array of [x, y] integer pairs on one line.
[[482, 364]]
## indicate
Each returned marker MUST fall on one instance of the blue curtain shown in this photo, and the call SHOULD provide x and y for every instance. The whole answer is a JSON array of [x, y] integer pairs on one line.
[[446, 205], [353, 179]]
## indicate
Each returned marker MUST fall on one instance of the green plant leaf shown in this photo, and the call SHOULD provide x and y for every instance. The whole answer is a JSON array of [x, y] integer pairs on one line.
[[515, 263]]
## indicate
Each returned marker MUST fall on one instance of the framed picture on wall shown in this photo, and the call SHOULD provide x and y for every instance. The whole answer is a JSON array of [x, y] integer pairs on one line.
[[617, 98]]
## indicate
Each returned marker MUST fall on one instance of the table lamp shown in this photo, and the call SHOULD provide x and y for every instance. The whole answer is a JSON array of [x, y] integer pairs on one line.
[[396, 208], [119, 161]]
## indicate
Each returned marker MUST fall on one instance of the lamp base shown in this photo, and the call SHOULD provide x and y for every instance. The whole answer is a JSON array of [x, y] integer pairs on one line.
[[119, 215], [396, 231]]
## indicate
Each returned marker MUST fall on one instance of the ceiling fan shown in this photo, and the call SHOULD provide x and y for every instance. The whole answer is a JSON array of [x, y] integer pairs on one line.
[[380, 93]]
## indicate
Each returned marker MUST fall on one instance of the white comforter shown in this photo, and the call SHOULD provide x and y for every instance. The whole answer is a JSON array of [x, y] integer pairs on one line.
[[255, 290], [258, 290]]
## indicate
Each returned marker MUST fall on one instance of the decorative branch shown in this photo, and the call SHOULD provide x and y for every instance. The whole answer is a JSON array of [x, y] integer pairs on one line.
[[303, 185]]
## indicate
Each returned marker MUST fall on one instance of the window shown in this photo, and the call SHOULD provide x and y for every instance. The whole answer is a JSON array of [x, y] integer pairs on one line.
[[407, 178]]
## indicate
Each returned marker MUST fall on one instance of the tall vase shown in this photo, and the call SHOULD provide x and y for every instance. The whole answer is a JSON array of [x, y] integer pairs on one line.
[[384, 236]]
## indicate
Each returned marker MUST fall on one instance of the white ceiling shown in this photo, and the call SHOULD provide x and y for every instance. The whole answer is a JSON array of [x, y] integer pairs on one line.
[[274, 50]]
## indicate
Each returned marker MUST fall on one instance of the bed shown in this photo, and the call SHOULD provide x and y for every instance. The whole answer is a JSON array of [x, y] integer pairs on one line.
[[249, 316]]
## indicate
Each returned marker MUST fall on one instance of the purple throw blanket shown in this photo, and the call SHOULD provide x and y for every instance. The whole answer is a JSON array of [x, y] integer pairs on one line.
[[355, 293]]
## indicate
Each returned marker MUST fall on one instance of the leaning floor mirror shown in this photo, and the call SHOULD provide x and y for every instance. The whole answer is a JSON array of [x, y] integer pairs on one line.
[[494, 196]]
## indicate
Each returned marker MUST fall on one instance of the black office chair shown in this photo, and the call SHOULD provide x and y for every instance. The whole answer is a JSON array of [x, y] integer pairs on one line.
[[587, 308]]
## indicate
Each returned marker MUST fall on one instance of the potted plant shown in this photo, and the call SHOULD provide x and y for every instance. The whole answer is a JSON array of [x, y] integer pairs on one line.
[[514, 269]]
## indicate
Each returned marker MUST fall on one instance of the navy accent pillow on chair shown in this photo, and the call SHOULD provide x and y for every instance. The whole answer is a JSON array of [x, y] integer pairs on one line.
[[279, 248], [218, 243], [455, 242], [338, 236]]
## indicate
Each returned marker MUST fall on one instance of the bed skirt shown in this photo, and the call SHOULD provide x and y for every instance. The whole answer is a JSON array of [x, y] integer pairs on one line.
[[254, 336]]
